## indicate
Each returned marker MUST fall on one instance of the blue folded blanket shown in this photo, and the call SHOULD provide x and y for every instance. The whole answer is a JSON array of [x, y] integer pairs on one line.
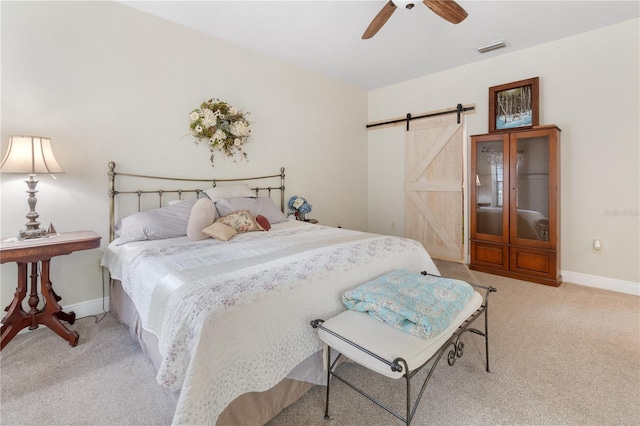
[[416, 304]]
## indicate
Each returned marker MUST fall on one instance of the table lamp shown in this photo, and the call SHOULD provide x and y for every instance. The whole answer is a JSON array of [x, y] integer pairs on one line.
[[30, 155]]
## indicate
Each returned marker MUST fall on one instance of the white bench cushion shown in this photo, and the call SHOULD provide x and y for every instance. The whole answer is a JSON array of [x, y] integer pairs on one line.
[[386, 341]]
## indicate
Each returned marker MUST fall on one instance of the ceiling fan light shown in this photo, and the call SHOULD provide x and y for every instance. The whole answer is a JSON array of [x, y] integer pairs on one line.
[[498, 44], [403, 4]]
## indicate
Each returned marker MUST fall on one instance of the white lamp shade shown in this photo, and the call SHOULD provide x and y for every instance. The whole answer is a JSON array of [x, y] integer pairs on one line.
[[30, 155]]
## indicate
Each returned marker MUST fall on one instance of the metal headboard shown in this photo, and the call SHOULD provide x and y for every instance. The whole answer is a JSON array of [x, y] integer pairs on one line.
[[113, 192]]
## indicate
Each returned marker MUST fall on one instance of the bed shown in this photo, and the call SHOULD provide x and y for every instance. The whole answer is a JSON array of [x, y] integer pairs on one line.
[[225, 323]]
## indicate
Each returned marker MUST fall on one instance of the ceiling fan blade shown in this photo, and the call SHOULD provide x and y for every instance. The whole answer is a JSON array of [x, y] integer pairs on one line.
[[447, 9], [381, 18]]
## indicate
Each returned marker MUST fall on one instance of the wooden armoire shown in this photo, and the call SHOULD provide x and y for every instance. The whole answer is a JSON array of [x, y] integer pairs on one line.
[[515, 204]]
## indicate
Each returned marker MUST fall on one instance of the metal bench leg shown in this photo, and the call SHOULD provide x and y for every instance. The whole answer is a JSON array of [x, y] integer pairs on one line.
[[408, 418], [326, 407], [486, 335], [486, 322]]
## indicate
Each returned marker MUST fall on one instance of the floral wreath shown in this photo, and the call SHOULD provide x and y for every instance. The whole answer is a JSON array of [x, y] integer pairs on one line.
[[223, 127]]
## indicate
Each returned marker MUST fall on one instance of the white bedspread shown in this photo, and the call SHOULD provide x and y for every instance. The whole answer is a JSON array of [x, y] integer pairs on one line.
[[234, 317]]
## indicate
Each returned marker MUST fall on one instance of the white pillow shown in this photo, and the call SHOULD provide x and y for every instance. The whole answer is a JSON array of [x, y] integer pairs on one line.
[[230, 191], [156, 224], [203, 214], [220, 231], [263, 206]]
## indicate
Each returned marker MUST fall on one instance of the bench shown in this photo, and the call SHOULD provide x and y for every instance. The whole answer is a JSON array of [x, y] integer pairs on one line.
[[394, 353]]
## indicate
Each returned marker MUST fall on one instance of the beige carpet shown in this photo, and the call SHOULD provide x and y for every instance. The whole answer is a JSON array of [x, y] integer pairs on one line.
[[559, 356]]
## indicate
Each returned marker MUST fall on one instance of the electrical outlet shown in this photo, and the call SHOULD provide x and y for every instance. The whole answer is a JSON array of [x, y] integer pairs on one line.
[[597, 247]]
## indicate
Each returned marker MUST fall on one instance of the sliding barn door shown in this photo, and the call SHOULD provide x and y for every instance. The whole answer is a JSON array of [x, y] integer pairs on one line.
[[434, 185]]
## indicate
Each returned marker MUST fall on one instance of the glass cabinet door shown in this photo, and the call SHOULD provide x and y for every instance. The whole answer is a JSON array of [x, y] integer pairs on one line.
[[490, 186], [530, 170]]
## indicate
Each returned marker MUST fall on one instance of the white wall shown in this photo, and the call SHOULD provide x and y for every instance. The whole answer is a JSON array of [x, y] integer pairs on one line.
[[589, 87], [107, 82]]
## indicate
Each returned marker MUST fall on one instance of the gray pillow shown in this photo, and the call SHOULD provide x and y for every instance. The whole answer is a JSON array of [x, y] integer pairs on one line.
[[257, 206], [156, 224]]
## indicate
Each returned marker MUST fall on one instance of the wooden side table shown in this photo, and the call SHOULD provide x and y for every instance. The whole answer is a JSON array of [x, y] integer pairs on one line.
[[39, 252]]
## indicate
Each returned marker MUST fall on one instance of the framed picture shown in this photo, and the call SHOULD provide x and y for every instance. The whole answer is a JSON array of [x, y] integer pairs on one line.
[[514, 105]]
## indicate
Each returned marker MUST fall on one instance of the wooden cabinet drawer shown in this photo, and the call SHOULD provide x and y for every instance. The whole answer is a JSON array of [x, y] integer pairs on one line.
[[533, 262], [490, 255]]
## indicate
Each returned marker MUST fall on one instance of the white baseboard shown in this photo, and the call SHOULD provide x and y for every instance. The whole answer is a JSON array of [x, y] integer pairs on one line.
[[83, 309], [604, 283], [89, 307]]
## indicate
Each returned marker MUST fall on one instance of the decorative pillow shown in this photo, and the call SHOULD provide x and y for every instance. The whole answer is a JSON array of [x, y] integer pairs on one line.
[[156, 224], [230, 191], [219, 231], [257, 206], [263, 222], [203, 214], [241, 221]]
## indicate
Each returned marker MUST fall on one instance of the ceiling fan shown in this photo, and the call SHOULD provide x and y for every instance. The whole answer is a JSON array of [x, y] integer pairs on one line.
[[446, 9]]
